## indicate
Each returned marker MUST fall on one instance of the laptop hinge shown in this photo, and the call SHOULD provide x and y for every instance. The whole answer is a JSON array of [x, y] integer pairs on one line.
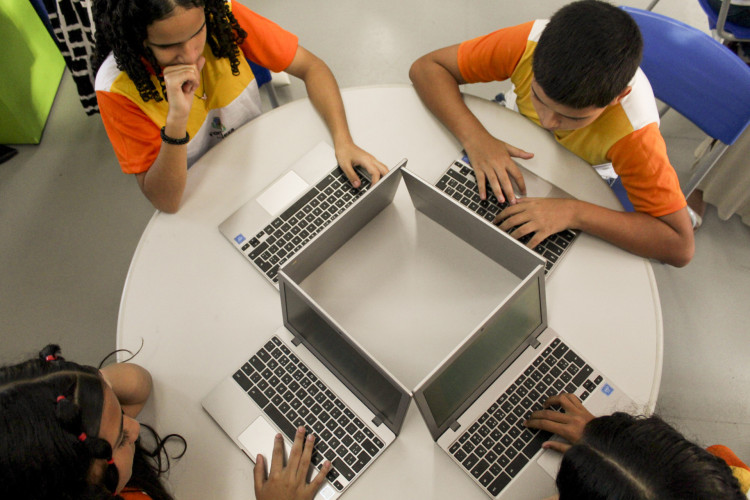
[[455, 426], [377, 420], [535, 341], [296, 341]]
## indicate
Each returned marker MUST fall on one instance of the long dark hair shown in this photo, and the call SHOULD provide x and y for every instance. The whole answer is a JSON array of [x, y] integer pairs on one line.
[[635, 458], [50, 412], [121, 29]]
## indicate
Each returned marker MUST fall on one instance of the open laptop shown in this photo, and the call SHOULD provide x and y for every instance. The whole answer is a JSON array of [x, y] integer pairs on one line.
[[312, 373], [460, 183], [475, 401], [270, 228]]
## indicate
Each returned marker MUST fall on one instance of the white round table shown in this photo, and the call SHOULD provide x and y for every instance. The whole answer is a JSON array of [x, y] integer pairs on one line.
[[199, 307]]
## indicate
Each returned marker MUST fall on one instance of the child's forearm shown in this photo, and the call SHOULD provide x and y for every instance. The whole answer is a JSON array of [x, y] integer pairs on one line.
[[131, 384]]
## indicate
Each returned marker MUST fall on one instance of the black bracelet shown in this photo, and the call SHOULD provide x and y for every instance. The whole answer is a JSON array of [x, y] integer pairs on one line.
[[176, 142]]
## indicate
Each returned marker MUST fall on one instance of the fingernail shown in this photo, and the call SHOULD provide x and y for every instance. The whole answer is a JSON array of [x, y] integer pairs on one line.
[[300, 429], [311, 437]]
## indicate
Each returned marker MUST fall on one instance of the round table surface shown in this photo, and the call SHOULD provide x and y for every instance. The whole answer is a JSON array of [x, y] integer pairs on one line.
[[199, 308]]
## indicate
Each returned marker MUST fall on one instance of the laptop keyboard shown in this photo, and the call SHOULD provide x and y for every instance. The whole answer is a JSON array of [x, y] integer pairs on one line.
[[301, 222], [460, 183], [292, 396], [497, 445]]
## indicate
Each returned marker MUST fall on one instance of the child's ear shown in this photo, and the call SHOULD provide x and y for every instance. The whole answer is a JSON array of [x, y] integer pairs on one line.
[[622, 95]]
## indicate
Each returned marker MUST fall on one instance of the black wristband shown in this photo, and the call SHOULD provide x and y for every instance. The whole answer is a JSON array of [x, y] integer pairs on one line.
[[176, 142]]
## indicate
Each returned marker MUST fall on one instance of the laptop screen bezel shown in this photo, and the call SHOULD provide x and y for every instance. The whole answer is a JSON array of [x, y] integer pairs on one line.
[[537, 277]]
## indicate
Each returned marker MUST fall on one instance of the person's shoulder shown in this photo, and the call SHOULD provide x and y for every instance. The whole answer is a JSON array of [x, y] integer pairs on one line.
[[640, 104], [133, 494], [537, 27], [107, 74]]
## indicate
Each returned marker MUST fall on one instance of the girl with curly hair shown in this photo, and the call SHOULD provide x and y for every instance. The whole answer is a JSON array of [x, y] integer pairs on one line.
[[68, 432], [174, 79]]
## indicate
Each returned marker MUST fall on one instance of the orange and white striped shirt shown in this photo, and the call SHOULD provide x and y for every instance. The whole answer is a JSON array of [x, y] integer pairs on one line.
[[133, 125], [626, 134]]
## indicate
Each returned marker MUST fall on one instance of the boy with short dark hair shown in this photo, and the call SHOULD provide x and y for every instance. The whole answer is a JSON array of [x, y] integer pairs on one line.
[[576, 75]]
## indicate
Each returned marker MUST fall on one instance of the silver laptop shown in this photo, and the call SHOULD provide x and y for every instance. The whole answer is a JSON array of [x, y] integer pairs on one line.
[[312, 373], [475, 401], [270, 228], [460, 183]]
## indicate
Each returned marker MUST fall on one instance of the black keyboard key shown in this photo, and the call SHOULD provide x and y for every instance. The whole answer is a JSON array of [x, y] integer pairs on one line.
[[572, 357], [362, 459], [343, 469], [369, 446], [486, 479], [242, 379], [582, 375], [479, 469], [498, 484], [470, 462], [289, 212], [536, 443], [257, 251], [258, 397], [515, 466]]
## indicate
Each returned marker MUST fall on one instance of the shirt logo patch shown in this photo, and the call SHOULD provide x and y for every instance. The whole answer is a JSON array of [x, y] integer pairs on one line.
[[217, 125]]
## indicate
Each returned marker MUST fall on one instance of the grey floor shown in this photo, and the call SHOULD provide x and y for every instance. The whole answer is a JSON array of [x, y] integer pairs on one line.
[[70, 221]]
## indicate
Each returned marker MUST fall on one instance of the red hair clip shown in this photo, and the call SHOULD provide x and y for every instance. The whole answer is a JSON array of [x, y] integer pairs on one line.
[[82, 437], [50, 357], [59, 398], [110, 461]]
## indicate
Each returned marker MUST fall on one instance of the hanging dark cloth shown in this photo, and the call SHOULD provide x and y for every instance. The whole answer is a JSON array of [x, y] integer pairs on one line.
[[74, 34]]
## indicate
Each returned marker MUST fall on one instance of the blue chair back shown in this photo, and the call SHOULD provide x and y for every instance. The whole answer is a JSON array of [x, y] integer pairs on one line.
[[713, 17], [696, 75], [262, 75]]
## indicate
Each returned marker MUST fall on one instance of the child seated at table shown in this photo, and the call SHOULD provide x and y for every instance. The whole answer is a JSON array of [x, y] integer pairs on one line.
[[622, 456], [173, 81], [577, 76], [69, 432]]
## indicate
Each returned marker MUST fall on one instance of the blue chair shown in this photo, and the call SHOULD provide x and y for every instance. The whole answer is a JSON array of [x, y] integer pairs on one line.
[[698, 77], [718, 21], [263, 77]]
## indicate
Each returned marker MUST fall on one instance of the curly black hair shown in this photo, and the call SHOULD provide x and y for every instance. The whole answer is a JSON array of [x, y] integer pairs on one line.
[[121, 29]]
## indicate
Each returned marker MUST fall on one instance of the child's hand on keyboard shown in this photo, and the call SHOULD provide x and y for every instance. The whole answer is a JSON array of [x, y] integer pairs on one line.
[[568, 424], [350, 155], [541, 216], [290, 482]]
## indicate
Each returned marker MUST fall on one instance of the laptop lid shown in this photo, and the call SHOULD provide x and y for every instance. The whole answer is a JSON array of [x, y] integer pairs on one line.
[[344, 227], [482, 235], [485, 354], [321, 334], [343, 356]]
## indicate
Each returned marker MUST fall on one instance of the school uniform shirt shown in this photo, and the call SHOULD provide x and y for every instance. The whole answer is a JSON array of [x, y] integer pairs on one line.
[[626, 134], [133, 125], [133, 494]]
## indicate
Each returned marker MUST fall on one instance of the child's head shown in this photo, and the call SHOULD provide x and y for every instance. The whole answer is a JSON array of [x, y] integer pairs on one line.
[[624, 457], [587, 54], [163, 33], [62, 431]]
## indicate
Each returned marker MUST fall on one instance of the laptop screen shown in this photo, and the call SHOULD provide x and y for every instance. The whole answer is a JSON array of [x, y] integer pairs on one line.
[[485, 354], [354, 368]]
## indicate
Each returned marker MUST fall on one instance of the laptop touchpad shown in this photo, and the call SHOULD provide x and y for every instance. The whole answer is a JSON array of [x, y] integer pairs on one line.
[[258, 439], [282, 192], [550, 460]]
